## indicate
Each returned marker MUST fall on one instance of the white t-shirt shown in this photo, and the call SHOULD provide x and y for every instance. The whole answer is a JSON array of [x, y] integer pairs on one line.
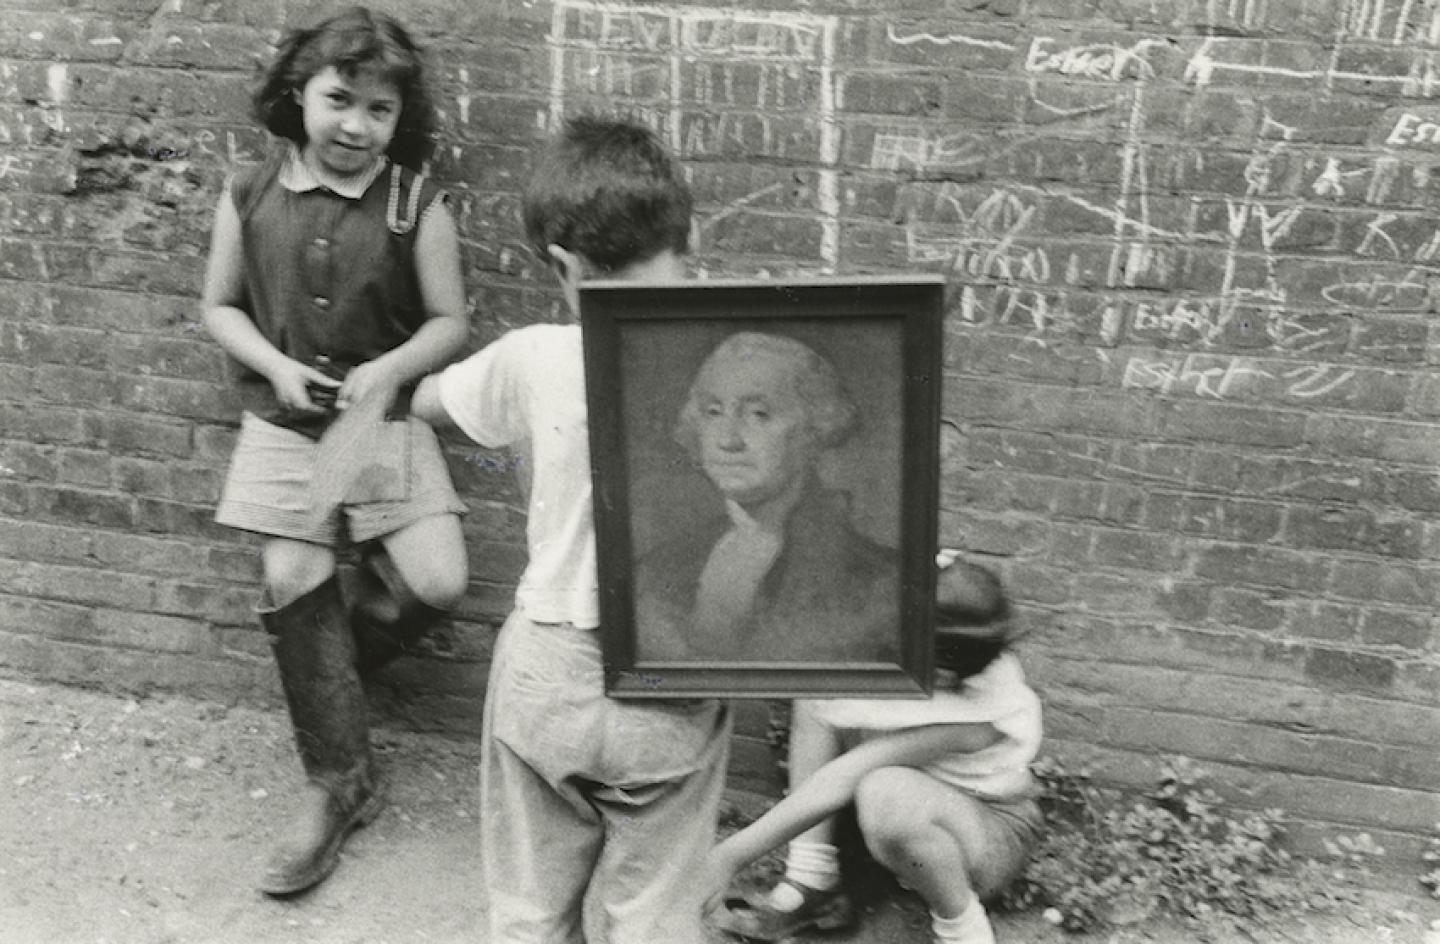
[[998, 696], [526, 392]]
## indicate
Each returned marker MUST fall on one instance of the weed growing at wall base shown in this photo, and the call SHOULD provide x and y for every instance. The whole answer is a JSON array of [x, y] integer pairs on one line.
[[1175, 851]]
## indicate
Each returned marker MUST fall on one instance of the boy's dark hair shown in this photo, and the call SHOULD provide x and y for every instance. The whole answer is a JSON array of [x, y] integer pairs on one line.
[[971, 619], [608, 189], [353, 41]]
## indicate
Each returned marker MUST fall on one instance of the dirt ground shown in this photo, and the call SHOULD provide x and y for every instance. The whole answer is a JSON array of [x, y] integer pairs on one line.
[[127, 821]]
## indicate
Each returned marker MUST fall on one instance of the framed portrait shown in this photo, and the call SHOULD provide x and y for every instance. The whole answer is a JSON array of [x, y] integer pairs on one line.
[[765, 460]]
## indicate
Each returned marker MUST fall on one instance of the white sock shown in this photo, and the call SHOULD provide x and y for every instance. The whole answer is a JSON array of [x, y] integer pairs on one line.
[[971, 926], [815, 864]]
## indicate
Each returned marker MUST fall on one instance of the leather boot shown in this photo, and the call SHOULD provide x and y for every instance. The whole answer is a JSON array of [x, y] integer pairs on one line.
[[316, 656], [387, 618]]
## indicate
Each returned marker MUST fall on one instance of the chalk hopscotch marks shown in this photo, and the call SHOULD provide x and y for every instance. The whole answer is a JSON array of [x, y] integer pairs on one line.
[[715, 81]]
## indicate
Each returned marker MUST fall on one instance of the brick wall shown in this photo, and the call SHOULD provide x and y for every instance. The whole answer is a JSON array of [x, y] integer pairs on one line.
[[1190, 398]]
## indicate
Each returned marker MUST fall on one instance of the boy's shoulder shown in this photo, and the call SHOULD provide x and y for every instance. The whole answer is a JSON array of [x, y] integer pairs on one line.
[[535, 345], [544, 337]]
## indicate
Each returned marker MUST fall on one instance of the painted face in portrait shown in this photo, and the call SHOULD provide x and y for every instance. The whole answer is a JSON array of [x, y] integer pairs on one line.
[[755, 436]]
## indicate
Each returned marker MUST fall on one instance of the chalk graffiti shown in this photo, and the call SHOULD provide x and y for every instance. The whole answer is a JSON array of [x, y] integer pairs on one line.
[[1316, 380], [601, 73], [1200, 375], [1095, 61], [1228, 377], [732, 34], [1124, 223], [736, 206], [1272, 227], [57, 83], [987, 257], [11, 165], [1409, 291], [920, 153], [1247, 14], [999, 260], [1206, 62], [1394, 21], [1207, 320], [1203, 65], [463, 100], [950, 39], [1375, 233], [1331, 181], [1043, 312], [1413, 130], [675, 63], [1396, 294]]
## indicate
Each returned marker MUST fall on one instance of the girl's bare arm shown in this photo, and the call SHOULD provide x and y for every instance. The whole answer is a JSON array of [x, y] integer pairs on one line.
[[833, 786]]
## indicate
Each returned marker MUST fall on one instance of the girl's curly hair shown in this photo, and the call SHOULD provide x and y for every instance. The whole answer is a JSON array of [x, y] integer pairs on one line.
[[355, 40]]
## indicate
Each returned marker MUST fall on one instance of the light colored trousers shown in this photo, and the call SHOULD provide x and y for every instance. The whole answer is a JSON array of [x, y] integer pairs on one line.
[[582, 793]]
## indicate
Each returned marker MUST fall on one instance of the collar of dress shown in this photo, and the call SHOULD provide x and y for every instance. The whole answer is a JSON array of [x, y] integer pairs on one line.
[[298, 177]]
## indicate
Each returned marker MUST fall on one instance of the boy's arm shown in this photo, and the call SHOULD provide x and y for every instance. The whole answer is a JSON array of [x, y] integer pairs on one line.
[[232, 326], [833, 786], [446, 329]]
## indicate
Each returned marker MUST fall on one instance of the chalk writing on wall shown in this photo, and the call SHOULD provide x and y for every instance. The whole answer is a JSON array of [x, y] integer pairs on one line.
[[1209, 64], [715, 81], [1412, 130], [1101, 61], [948, 39], [1233, 377], [1392, 21]]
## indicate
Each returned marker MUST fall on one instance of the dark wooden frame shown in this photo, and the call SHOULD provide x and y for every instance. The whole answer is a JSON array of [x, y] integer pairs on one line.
[[910, 308]]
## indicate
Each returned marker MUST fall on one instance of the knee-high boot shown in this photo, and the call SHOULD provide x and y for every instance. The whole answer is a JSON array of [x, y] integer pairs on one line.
[[387, 618], [316, 656]]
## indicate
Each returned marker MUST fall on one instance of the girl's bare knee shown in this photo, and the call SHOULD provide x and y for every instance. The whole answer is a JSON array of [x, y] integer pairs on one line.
[[885, 817], [289, 580], [442, 591], [430, 556], [440, 585]]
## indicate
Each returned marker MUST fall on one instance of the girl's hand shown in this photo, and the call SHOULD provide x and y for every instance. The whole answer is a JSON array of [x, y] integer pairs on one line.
[[292, 381], [365, 379]]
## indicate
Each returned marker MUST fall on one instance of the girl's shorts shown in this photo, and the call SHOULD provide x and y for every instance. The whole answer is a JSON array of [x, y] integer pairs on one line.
[[1023, 827], [1014, 830], [268, 487]]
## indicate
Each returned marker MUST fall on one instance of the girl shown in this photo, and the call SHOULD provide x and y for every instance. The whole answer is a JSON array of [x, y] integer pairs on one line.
[[334, 277], [942, 788]]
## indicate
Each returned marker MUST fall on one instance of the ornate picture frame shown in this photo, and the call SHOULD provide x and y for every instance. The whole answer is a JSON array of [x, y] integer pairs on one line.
[[765, 464]]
